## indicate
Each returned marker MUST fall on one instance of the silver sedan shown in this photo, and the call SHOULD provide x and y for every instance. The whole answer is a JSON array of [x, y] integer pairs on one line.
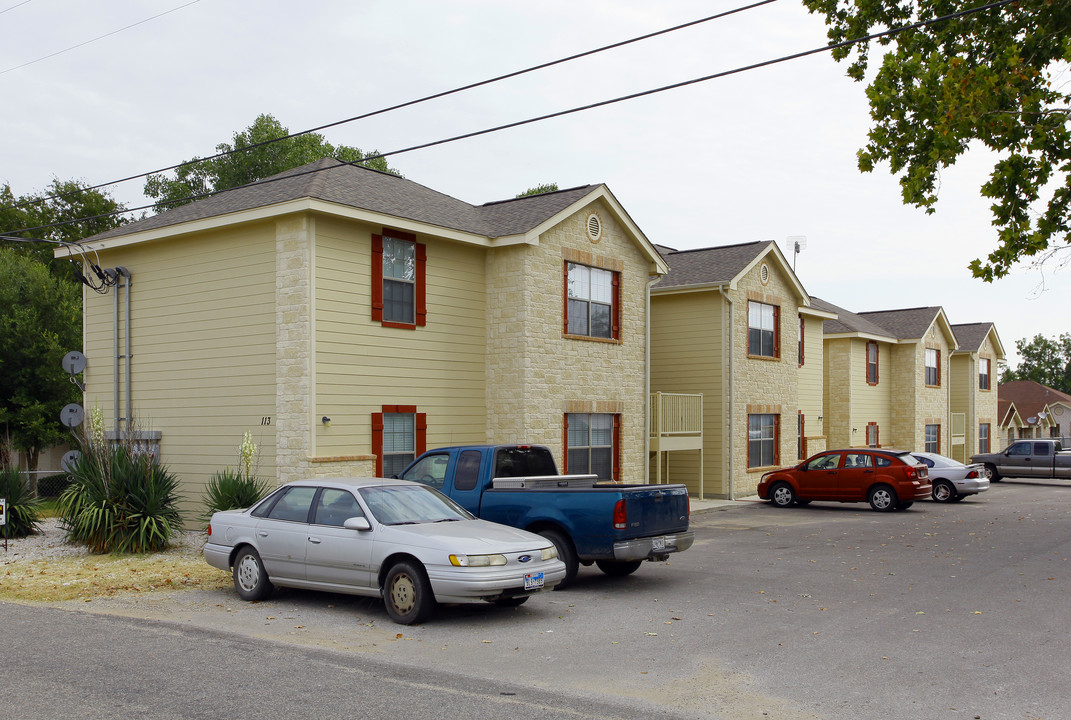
[[952, 480], [394, 539]]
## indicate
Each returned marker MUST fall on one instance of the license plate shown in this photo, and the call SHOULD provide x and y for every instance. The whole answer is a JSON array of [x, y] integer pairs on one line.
[[658, 543], [533, 581]]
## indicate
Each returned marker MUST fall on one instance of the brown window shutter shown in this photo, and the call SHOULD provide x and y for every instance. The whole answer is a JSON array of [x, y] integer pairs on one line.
[[377, 441], [377, 278], [615, 331], [564, 469], [421, 284], [777, 331], [421, 433]]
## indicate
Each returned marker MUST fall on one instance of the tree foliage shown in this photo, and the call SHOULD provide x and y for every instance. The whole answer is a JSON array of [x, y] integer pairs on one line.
[[40, 322], [993, 78], [1043, 360], [540, 189], [241, 168], [61, 201]]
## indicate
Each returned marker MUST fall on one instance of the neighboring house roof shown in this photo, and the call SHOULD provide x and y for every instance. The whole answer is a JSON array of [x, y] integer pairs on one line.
[[334, 186], [1031, 399], [1009, 414], [906, 325], [725, 265], [848, 322], [971, 336]]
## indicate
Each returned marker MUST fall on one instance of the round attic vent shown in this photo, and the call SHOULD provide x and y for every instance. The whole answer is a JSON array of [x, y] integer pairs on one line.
[[594, 228], [764, 273]]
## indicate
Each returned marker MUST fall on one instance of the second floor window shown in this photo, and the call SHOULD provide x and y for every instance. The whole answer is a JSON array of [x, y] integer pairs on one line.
[[591, 303], [933, 367], [398, 280], [872, 364], [983, 374], [762, 329]]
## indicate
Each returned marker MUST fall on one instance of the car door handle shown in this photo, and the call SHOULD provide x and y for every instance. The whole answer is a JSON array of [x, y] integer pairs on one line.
[[262, 533], [869, 472], [315, 540]]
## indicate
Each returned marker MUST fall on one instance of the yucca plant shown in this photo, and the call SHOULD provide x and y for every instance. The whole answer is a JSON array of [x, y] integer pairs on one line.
[[120, 500], [23, 512], [230, 490]]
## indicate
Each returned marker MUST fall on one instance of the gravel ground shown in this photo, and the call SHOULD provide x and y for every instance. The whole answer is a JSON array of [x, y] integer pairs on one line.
[[49, 545]]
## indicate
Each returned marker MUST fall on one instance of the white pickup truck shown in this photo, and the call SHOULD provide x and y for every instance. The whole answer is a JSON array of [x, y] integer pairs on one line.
[[1040, 458]]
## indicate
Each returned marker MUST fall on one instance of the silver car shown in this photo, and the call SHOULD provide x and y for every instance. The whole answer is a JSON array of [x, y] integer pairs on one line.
[[398, 540], [952, 480]]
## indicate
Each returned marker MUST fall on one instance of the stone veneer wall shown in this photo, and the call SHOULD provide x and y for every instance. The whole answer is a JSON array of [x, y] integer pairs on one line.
[[536, 374], [760, 385], [295, 456], [837, 418]]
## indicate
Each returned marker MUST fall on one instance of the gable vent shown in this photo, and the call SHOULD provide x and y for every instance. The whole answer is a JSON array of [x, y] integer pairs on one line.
[[594, 228], [764, 273]]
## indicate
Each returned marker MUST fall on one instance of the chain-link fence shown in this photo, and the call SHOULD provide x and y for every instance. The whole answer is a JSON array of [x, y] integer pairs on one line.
[[46, 484]]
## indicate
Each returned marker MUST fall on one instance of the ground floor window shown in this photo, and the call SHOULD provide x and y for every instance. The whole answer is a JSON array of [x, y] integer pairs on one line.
[[872, 435], [399, 434], [762, 440], [933, 438], [983, 437], [591, 444]]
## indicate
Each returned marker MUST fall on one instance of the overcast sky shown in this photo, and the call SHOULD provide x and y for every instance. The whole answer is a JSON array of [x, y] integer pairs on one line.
[[766, 154]]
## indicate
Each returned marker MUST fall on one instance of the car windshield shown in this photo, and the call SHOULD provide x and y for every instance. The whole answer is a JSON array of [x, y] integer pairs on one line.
[[411, 505]]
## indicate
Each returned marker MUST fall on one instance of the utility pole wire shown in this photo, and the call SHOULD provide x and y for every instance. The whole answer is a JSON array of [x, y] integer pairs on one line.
[[745, 68]]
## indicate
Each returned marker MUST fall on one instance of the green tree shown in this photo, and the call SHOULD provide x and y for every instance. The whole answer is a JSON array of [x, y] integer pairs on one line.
[[62, 200], [989, 78], [540, 189], [221, 173], [1043, 360], [40, 322]]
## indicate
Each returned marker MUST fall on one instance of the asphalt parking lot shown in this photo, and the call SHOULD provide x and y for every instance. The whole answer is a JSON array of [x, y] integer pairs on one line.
[[826, 611]]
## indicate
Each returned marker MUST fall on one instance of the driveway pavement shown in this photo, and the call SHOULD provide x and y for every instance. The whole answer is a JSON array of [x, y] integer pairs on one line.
[[829, 611]]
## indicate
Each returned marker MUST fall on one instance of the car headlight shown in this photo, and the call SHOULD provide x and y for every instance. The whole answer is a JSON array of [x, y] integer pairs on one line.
[[550, 553], [477, 560]]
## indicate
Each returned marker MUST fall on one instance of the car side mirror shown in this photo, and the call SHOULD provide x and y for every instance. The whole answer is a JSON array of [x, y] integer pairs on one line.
[[357, 523]]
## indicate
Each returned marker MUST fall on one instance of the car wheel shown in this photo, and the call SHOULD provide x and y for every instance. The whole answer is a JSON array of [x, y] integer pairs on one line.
[[991, 473], [250, 579], [782, 495], [511, 601], [407, 594], [944, 491], [619, 568], [882, 498], [566, 553]]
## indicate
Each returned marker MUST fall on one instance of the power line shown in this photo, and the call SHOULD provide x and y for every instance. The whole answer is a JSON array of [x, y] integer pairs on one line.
[[744, 68], [14, 6], [100, 37], [406, 104]]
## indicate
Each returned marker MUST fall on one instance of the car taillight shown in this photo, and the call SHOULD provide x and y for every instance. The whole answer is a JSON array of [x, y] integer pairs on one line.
[[912, 473], [209, 530], [620, 516], [973, 474]]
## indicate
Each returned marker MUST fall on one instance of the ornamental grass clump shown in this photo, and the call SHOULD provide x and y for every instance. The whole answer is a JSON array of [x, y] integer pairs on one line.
[[120, 500], [234, 489], [23, 511]]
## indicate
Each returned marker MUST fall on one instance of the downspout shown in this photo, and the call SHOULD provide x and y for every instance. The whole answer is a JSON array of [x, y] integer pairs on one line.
[[728, 389], [123, 272], [115, 362], [651, 280]]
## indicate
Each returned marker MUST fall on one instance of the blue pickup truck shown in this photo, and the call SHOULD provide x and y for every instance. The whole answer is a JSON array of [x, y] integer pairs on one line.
[[613, 525]]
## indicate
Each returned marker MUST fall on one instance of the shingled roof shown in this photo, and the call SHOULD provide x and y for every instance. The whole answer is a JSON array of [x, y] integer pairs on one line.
[[847, 321], [707, 266], [906, 324], [971, 335], [1029, 397], [355, 186]]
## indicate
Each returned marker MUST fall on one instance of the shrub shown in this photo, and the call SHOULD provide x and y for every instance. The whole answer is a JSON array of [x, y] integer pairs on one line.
[[22, 507], [120, 500], [230, 490]]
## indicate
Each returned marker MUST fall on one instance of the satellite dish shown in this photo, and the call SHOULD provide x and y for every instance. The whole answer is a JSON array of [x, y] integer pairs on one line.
[[72, 415], [68, 460], [74, 362]]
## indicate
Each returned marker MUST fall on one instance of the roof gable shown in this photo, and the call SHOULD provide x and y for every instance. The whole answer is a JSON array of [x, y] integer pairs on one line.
[[971, 337], [1030, 398], [724, 265]]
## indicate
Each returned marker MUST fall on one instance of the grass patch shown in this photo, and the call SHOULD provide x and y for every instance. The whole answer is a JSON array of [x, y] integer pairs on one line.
[[85, 577]]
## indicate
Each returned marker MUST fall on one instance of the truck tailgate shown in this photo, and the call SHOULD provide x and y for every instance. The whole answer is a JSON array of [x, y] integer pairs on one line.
[[656, 509]]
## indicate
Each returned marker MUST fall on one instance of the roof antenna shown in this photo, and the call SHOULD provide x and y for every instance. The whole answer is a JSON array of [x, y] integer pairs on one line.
[[798, 242]]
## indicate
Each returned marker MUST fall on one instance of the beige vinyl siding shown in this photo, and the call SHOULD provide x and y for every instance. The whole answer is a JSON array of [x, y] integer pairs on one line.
[[870, 403], [811, 385], [362, 366], [687, 356], [203, 347]]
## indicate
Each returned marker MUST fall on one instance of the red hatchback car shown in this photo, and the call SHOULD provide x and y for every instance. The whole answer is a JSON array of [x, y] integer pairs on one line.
[[887, 479]]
